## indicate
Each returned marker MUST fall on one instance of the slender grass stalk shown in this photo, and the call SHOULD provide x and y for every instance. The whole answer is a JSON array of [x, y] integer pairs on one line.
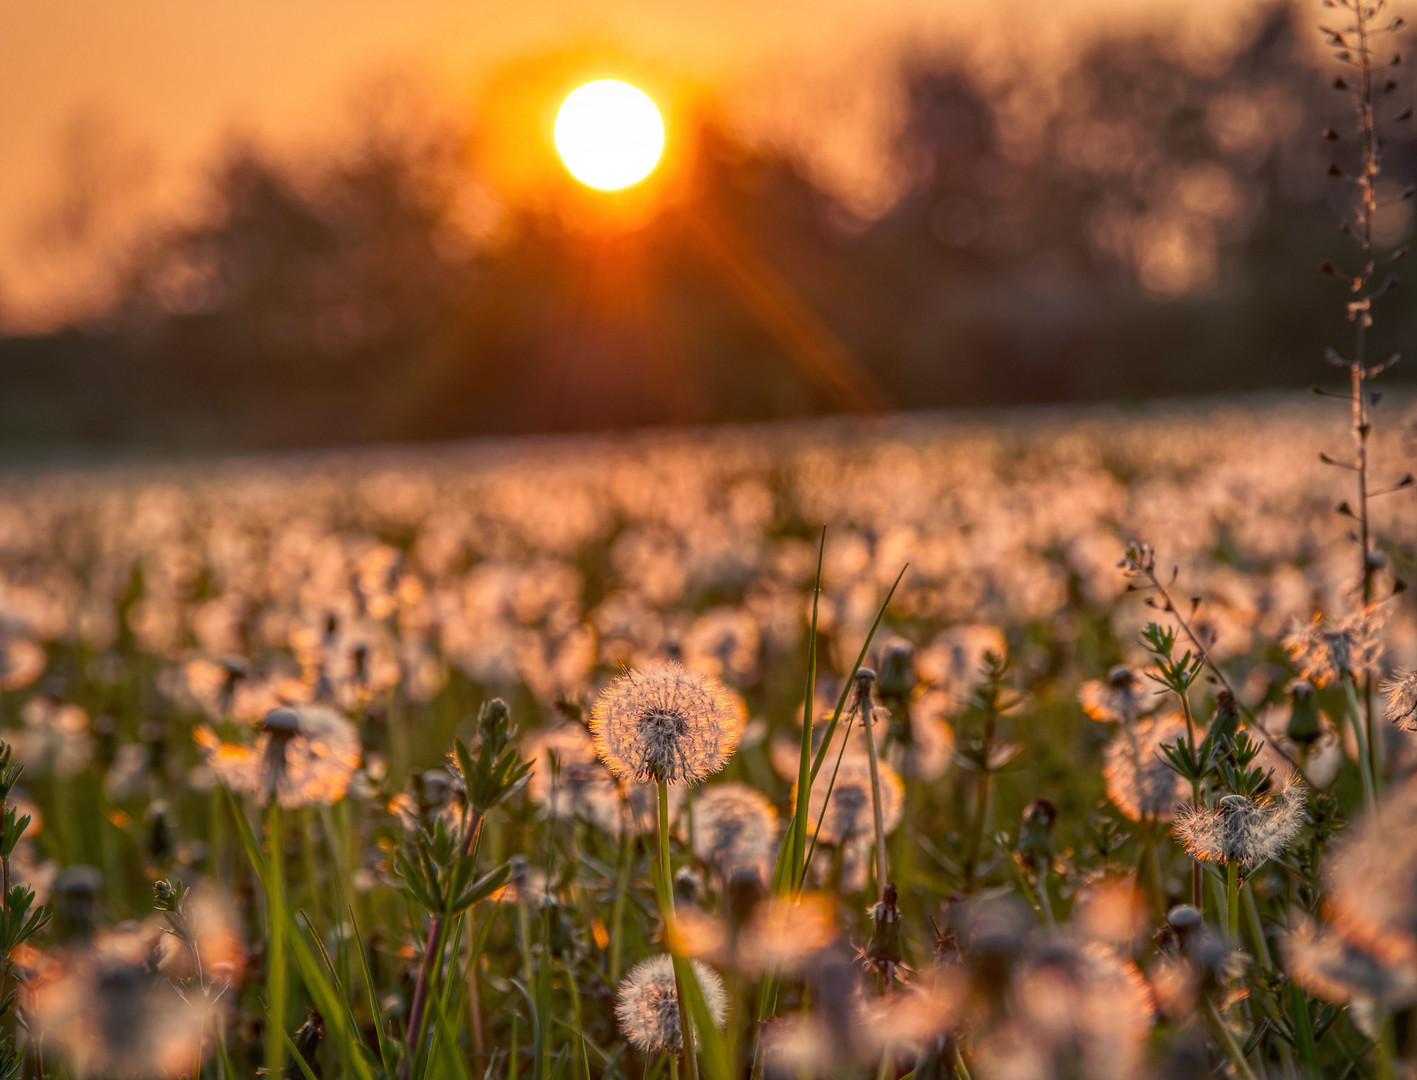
[[805, 772], [1225, 1039], [1303, 1026], [1386, 1041], [617, 906]]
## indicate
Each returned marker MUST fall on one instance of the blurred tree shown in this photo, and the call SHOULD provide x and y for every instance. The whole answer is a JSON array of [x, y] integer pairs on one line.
[[1142, 221]]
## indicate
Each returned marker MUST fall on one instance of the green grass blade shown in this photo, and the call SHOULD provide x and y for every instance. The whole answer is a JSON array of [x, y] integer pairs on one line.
[[846, 687], [324, 995], [804, 768], [447, 1041], [374, 1010]]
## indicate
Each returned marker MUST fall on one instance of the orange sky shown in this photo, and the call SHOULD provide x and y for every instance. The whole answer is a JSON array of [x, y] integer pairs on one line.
[[165, 81]]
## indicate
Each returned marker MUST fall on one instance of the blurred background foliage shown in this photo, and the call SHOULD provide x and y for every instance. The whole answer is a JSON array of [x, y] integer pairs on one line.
[[1142, 222]]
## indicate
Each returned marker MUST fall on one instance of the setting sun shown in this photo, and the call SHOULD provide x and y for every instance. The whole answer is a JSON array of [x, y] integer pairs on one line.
[[609, 134]]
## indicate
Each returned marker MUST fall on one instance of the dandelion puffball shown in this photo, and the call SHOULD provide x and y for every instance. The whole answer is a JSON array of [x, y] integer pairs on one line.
[[665, 722], [647, 1004]]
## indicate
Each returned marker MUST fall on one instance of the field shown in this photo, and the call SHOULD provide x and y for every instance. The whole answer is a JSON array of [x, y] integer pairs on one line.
[[234, 689]]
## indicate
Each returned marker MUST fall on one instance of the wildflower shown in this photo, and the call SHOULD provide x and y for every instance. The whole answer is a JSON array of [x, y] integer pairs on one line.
[[647, 1004], [849, 814], [1139, 780], [733, 825], [1401, 691], [1114, 700], [1324, 652], [303, 757], [1243, 829], [664, 722]]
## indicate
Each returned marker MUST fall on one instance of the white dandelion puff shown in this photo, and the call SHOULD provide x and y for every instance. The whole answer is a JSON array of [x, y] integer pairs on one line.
[[734, 825], [647, 1004], [1116, 699], [849, 813], [1243, 829], [1139, 779], [1401, 692], [1324, 651], [304, 756], [665, 722]]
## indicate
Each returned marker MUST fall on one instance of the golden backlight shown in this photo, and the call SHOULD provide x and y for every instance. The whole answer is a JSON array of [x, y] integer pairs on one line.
[[609, 134]]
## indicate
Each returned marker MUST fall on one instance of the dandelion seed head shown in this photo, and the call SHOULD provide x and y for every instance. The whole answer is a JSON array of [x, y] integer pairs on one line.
[[1401, 693], [647, 1004], [849, 812], [1139, 780], [913, 1016], [1324, 650], [665, 722], [303, 756], [1372, 877], [1083, 1003], [800, 1045], [1330, 966], [1114, 700], [734, 825], [109, 1012], [566, 779], [1242, 829]]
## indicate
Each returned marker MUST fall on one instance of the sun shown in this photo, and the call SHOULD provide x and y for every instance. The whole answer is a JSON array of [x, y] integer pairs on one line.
[[609, 134]]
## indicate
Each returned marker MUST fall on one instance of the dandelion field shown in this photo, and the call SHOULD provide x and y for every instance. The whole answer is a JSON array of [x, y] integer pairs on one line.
[[374, 764]]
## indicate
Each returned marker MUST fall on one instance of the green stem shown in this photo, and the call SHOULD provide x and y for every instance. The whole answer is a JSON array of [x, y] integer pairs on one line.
[[276, 979], [1387, 1040], [882, 863], [981, 807], [665, 883], [617, 907], [1365, 764], [1226, 1040], [1303, 1025], [1232, 902]]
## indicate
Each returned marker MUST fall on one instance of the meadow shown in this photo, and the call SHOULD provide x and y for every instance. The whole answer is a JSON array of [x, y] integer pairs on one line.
[[325, 772]]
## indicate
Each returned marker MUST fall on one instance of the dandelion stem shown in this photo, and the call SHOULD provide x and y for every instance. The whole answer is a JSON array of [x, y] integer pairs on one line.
[[981, 806], [617, 907], [1386, 1042], [275, 934], [1232, 901], [882, 860], [665, 883], [1365, 764]]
